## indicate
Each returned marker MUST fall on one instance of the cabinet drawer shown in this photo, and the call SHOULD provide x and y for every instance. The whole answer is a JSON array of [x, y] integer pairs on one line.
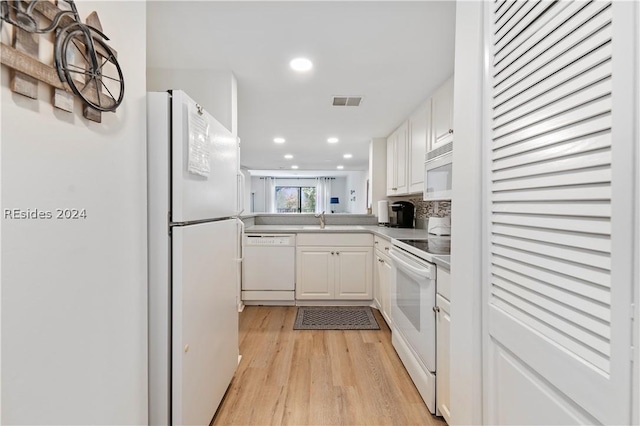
[[330, 239], [443, 282], [382, 245]]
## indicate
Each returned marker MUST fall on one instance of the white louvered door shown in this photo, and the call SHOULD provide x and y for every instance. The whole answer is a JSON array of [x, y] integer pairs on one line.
[[558, 278]]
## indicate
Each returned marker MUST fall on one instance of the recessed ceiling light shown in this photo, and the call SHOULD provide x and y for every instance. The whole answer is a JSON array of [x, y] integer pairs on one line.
[[301, 64], [340, 167], [278, 140], [288, 156], [333, 140], [294, 167], [347, 156]]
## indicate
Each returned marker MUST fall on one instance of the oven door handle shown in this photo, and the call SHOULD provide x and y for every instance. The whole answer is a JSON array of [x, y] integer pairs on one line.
[[418, 272]]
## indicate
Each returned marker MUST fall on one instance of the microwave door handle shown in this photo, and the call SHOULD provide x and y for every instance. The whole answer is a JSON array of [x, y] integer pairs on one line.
[[421, 273]]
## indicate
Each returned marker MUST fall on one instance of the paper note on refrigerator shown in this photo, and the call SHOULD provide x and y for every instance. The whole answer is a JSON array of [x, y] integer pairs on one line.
[[199, 144]]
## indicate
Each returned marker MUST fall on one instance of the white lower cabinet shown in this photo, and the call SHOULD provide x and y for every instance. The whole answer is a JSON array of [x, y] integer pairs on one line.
[[315, 273], [334, 267], [354, 268], [443, 327], [377, 275], [382, 277]]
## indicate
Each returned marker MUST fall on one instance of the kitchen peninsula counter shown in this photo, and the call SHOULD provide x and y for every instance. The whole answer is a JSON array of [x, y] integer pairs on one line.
[[380, 231]]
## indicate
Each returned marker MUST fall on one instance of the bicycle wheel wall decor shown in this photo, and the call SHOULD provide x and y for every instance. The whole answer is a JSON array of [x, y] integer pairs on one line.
[[85, 66]]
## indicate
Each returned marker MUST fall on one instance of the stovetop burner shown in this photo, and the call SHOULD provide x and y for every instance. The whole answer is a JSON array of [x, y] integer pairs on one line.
[[432, 245]]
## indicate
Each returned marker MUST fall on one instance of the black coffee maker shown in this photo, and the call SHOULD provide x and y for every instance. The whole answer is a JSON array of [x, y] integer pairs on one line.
[[404, 211]]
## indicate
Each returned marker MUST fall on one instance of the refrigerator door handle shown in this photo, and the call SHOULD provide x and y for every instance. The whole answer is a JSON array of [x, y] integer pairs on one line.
[[241, 232], [241, 183]]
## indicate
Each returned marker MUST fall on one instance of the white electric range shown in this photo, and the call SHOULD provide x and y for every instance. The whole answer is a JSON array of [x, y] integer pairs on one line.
[[413, 299]]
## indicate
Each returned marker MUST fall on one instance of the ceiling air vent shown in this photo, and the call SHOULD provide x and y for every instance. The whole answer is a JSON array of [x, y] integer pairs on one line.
[[347, 100]]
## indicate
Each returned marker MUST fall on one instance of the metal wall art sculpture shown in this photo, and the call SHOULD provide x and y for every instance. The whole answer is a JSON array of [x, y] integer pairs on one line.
[[84, 64]]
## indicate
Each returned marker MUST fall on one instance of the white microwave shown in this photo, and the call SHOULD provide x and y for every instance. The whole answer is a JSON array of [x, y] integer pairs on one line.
[[437, 175]]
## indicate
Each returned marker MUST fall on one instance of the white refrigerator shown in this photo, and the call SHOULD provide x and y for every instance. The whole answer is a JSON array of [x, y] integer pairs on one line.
[[194, 237]]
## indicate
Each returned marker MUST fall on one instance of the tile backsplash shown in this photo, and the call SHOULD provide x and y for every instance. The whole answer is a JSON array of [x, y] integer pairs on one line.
[[426, 209]]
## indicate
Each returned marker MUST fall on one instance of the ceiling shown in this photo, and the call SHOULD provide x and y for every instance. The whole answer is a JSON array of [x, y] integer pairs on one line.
[[393, 53]]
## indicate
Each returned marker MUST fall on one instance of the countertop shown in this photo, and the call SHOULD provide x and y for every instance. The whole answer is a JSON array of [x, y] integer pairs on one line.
[[381, 231]]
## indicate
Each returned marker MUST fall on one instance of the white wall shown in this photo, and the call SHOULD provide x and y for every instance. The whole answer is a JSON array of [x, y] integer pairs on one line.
[[247, 190], [466, 218], [257, 195], [74, 292], [377, 172], [636, 372], [357, 181], [339, 189], [215, 90]]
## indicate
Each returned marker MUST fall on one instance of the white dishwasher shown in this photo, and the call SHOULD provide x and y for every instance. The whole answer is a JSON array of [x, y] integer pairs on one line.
[[268, 269]]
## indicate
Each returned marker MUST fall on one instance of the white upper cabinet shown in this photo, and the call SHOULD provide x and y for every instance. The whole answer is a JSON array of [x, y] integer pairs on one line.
[[428, 128], [442, 115], [419, 124], [391, 168], [397, 145]]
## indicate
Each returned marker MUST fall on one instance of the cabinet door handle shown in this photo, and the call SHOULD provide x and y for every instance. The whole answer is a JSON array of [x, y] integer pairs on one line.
[[436, 309], [451, 131], [386, 248], [394, 189], [375, 242], [338, 253], [332, 253]]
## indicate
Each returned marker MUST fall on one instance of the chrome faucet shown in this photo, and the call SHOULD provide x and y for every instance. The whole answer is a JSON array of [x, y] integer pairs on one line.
[[322, 220]]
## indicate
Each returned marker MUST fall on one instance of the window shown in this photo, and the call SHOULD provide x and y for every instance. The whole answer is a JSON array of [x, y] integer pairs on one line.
[[295, 199]]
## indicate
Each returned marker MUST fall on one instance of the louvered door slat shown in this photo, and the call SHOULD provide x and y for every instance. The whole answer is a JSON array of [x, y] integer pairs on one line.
[[507, 16], [502, 10], [563, 149], [582, 192], [577, 76], [499, 5], [551, 107], [600, 125], [523, 93], [554, 307], [513, 18], [579, 177], [577, 28], [582, 272], [553, 102], [560, 208], [586, 257], [512, 38], [543, 27], [573, 117], [552, 61], [562, 281], [586, 306], [590, 242], [564, 163], [591, 329], [536, 320], [580, 224]]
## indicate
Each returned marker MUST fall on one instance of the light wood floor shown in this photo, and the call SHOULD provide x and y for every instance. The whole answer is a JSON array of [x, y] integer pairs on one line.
[[318, 377]]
